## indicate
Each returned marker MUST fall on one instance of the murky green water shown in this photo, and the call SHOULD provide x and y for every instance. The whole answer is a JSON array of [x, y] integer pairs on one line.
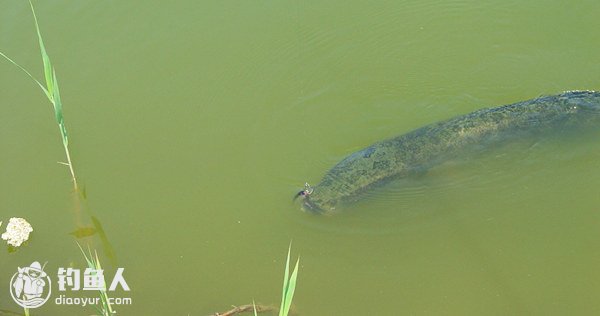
[[193, 123]]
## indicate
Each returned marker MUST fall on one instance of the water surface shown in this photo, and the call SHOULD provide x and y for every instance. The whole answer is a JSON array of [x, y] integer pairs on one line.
[[193, 123]]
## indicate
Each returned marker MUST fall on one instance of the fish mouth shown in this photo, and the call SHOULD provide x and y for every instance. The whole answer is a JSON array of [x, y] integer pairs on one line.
[[308, 204]]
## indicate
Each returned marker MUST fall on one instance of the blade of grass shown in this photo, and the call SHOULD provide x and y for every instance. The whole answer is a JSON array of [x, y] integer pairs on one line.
[[53, 93], [289, 286], [27, 73], [93, 262], [45, 58], [51, 90], [285, 279], [58, 109]]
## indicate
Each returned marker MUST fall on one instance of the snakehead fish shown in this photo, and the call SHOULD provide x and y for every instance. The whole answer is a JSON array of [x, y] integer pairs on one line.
[[427, 146]]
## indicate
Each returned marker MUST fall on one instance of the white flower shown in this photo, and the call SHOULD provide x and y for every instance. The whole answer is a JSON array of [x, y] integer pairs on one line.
[[17, 231]]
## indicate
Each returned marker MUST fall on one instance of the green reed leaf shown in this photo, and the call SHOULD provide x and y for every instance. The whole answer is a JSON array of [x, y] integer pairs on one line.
[[289, 286]]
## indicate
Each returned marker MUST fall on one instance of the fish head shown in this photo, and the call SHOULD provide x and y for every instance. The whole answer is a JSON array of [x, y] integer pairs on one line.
[[313, 202]]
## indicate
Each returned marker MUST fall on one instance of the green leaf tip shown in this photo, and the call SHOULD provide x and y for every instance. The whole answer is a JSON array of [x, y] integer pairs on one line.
[[45, 58], [289, 285]]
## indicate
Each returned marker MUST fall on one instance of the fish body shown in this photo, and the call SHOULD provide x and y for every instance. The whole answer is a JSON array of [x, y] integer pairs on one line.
[[427, 146]]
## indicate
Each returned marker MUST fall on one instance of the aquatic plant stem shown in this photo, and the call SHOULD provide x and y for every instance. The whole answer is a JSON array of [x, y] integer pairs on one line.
[[70, 165]]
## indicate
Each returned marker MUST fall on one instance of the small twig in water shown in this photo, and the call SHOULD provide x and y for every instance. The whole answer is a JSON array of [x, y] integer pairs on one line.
[[244, 309]]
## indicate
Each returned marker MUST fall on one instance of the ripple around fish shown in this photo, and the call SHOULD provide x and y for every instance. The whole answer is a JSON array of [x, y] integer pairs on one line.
[[372, 220]]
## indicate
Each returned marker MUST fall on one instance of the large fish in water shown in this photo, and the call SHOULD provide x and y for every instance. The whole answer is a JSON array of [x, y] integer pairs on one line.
[[427, 146]]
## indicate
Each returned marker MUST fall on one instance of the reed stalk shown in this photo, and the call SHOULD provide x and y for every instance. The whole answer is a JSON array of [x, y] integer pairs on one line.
[[52, 93]]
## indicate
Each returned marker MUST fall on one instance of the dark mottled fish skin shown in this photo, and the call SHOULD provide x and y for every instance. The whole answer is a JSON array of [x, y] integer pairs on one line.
[[427, 146]]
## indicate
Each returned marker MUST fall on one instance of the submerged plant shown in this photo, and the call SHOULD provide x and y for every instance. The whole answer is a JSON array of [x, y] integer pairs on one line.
[[289, 286], [52, 93]]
